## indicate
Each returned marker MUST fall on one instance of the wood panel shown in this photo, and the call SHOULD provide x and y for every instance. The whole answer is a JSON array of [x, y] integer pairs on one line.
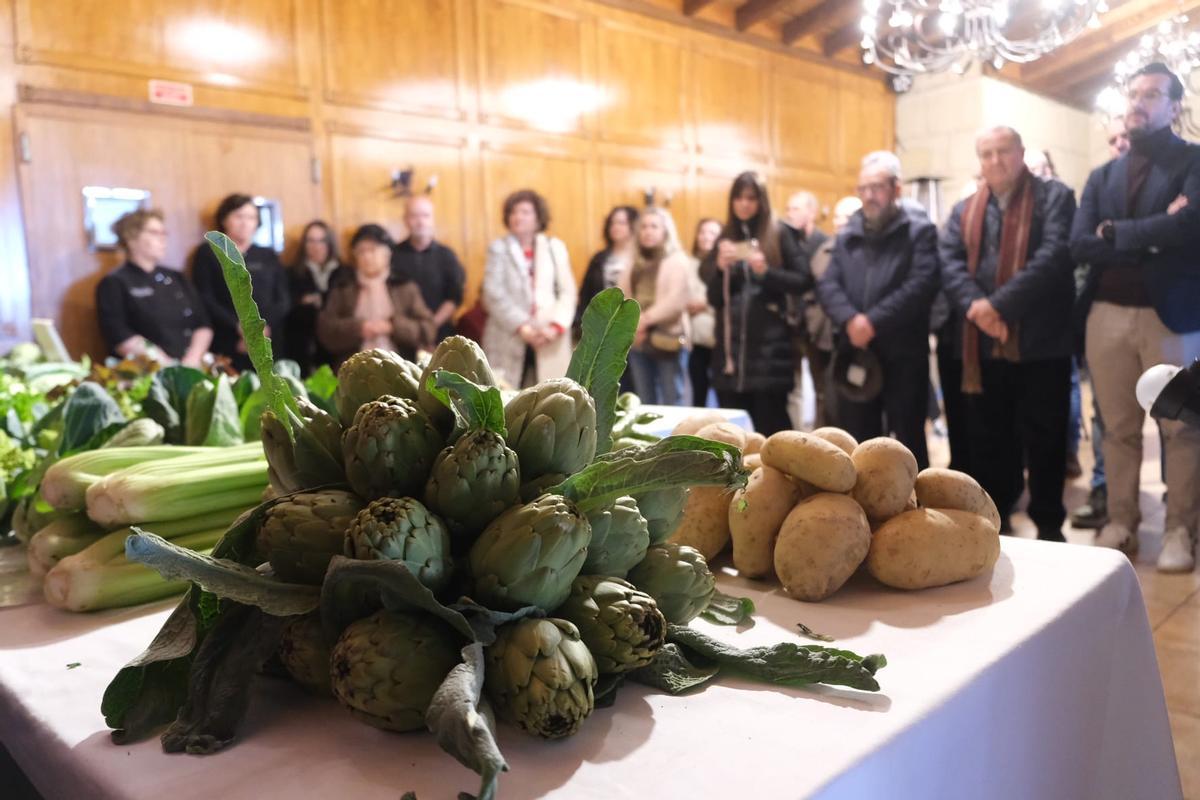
[[626, 184], [866, 121], [805, 115], [642, 71], [730, 105]]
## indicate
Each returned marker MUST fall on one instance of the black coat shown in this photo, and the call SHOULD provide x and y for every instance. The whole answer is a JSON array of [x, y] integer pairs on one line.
[[591, 285], [1039, 298], [892, 278], [301, 334], [760, 339]]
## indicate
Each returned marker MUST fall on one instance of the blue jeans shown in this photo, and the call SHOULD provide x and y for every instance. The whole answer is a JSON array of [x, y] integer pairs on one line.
[[656, 379], [1098, 480], [1075, 420]]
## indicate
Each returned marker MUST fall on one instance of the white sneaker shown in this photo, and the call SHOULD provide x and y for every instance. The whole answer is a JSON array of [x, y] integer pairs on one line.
[[1118, 537], [1178, 551]]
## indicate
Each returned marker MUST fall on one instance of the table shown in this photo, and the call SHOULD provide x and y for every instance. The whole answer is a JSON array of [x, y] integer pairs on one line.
[[1038, 683]]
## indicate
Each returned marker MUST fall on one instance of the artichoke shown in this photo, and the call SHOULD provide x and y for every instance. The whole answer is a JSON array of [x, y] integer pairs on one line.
[[552, 428], [620, 537], [621, 626], [385, 668], [403, 530], [663, 510], [310, 456], [529, 555], [678, 578], [472, 483], [390, 449], [540, 677], [304, 653], [299, 535], [370, 375], [454, 354]]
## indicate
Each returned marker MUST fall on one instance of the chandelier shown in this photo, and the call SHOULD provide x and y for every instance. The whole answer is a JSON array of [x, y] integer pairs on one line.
[[1172, 44], [913, 37]]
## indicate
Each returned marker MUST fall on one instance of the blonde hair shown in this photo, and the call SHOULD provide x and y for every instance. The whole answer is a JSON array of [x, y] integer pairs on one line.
[[129, 226], [671, 243]]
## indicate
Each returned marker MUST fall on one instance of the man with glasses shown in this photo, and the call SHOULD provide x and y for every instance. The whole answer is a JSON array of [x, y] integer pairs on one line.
[[877, 291], [1139, 228], [1008, 275]]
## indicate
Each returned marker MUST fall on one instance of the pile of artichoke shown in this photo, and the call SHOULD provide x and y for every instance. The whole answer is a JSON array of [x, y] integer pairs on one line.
[[466, 501]]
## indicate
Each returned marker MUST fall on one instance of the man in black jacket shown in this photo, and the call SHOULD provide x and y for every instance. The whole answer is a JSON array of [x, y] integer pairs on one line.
[[1139, 227], [1008, 275], [878, 291], [432, 265]]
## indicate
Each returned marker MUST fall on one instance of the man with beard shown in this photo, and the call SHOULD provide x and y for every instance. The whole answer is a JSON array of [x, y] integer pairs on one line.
[[1139, 227]]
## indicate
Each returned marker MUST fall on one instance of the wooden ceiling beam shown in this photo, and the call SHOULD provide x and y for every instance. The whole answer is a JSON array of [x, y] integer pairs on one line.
[[693, 7], [806, 23], [839, 40], [756, 11]]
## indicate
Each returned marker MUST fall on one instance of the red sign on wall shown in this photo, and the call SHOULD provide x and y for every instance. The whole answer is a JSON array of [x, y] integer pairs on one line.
[[170, 93]]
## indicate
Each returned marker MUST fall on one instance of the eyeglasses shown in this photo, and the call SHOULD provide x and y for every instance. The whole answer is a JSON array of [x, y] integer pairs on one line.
[[1150, 95], [874, 188]]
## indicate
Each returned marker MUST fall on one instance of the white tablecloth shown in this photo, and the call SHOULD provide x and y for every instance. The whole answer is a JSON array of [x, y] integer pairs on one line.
[[1040, 683]]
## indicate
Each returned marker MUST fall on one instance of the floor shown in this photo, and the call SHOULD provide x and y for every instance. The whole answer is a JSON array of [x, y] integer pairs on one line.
[[1172, 601]]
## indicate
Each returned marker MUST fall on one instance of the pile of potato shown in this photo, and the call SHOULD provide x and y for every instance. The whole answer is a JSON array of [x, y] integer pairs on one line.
[[819, 505]]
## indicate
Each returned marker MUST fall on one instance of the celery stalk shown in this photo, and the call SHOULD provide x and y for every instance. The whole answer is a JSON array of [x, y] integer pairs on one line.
[[201, 542], [86, 586], [65, 482], [139, 495], [63, 537]]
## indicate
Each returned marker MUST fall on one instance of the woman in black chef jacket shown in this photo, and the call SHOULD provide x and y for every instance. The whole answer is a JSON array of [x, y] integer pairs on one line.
[[237, 217], [148, 309]]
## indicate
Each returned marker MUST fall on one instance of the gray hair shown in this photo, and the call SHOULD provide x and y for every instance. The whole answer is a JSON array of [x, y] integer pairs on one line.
[[1000, 129], [884, 160], [805, 197]]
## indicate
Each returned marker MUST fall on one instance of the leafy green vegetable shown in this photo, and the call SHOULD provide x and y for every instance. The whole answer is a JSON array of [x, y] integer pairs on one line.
[[726, 610], [212, 415], [811, 634], [474, 406], [609, 326], [88, 411], [166, 402], [462, 721], [321, 385], [673, 672], [246, 385]]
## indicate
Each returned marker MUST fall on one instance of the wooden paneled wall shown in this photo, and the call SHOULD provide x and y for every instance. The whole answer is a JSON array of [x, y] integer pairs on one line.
[[316, 102]]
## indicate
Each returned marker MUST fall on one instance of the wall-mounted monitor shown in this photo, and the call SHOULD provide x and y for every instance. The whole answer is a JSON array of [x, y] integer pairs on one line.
[[104, 205], [270, 229]]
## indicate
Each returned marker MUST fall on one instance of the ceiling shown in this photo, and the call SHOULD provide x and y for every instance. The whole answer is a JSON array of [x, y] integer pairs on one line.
[[1074, 73]]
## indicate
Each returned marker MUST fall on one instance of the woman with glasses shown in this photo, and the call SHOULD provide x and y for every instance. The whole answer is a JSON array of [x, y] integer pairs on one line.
[[309, 279]]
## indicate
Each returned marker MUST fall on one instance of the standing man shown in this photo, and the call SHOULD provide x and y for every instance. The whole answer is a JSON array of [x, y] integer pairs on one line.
[[433, 266], [878, 291], [1139, 228], [805, 317], [1007, 270]]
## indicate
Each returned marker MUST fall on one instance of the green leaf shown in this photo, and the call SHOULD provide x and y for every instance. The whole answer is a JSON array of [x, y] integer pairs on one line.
[[786, 663], [251, 415], [811, 634], [321, 385], [237, 278], [462, 721], [224, 578], [212, 415], [88, 411], [246, 385], [166, 401], [672, 672], [677, 461], [724, 609], [608, 328], [475, 407]]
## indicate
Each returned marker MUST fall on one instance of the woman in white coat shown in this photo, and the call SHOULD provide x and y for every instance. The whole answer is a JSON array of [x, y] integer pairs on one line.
[[529, 292]]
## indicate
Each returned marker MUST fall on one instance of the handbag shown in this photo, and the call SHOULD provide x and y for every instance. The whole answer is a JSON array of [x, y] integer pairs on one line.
[[664, 345]]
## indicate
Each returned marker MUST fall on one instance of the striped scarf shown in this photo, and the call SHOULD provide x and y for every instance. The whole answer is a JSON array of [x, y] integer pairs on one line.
[[1014, 247]]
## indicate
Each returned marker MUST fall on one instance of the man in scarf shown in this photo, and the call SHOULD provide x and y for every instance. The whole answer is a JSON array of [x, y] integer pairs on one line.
[[1007, 270]]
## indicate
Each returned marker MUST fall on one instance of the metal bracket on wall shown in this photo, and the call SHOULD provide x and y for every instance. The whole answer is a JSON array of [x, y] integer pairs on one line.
[[314, 166], [25, 148]]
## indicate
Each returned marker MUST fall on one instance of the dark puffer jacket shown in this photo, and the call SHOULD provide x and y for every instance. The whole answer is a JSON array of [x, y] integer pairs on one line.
[[760, 339]]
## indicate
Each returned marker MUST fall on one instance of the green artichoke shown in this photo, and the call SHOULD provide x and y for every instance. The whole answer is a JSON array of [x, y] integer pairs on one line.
[[540, 677], [678, 578], [663, 510], [552, 428], [385, 668], [472, 483], [390, 449], [301, 534], [454, 354], [619, 539], [403, 530], [370, 375], [621, 626], [529, 555], [304, 653], [310, 456]]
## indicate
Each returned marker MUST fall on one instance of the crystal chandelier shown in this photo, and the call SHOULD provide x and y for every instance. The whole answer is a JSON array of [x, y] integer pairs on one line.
[[913, 37], [1172, 44]]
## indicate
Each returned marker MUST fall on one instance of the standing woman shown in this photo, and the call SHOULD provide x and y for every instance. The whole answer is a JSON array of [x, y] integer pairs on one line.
[[308, 284], [530, 296], [754, 265], [658, 280], [610, 263], [237, 217], [148, 309], [702, 319]]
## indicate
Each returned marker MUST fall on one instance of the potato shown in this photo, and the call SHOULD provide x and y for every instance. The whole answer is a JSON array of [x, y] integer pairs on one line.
[[752, 461], [725, 432], [821, 543], [837, 436], [754, 443], [755, 516], [933, 547], [809, 458], [886, 473], [705, 521], [947, 488], [694, 422]]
